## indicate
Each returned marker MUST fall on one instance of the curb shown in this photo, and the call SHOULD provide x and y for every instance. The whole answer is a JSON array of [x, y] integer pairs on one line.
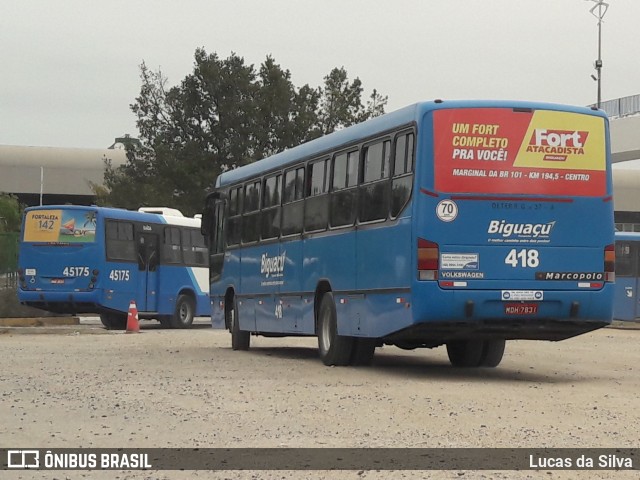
[[38, 321], [48, 325], [625, 325], [62, 330]]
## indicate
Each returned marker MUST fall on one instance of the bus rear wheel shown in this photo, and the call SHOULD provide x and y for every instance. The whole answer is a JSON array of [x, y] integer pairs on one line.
[[476, 353], [465, 353], [363, 351], [334, 349], [184, 313], [114, 321], [492, 353], [240, 339]]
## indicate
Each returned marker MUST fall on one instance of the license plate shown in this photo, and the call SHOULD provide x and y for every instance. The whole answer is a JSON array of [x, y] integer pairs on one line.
[[57, 281], [521, 309]]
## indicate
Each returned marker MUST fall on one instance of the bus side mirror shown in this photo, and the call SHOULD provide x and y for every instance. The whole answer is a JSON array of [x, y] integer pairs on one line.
[[206, 222], [208, 215]]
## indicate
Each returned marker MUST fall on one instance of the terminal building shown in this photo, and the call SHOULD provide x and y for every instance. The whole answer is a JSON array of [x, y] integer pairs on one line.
[[52, 175], [624, 114], [48, 176]]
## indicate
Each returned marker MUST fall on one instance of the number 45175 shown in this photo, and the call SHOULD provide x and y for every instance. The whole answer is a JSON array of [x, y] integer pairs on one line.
[[119, 275]]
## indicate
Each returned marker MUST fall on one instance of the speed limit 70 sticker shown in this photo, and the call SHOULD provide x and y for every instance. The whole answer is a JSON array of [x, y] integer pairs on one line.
[[447, 210]]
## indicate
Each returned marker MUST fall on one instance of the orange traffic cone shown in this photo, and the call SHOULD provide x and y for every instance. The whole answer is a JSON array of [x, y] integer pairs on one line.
[[132, 318]]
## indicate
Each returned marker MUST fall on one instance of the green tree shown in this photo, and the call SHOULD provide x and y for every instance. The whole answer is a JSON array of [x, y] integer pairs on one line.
[[223, 115], [10, 213], [341, 102], [285, 116]]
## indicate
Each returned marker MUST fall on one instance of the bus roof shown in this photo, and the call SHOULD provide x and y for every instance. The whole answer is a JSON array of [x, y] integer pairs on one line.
[[375, 126], [633, 236], [122, 214]]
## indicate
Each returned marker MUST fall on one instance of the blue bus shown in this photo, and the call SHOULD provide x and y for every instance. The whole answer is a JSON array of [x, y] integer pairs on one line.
[[88, 259], [626, 304], [457, 223]]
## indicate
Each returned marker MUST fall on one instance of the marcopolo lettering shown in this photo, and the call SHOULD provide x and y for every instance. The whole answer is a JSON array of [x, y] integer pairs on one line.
[[533, 230], [272, 266], [576, 276]]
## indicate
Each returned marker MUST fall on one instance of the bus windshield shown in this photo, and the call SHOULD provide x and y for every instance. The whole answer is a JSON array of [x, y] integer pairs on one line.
[[519, 151], [60, 226]]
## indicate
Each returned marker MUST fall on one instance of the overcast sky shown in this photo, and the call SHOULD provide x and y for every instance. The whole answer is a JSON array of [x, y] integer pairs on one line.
[[70, 68]]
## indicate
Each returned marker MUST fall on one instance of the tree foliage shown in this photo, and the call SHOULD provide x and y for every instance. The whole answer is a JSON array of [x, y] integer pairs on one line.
[[224, 114], [10, 213]]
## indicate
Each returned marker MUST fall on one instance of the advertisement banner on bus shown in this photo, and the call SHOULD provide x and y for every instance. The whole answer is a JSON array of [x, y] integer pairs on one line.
[[60, 226], [498, 150]]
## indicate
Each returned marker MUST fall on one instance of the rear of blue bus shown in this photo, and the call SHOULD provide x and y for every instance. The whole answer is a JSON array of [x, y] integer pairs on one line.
[[513, 231], [60, 258]]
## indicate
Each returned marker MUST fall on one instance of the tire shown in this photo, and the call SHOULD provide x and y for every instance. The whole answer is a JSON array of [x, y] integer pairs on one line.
[[492, 353], [114, 321], [334, 349], [240, 339], [363, 351], [465, 353], [184, 313]]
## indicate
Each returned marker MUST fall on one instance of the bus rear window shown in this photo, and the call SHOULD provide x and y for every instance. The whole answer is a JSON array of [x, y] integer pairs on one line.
[[499, 150], [60, 226]]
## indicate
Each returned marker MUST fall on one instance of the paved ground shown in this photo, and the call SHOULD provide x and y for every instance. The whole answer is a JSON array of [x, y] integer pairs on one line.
[[83, 386]]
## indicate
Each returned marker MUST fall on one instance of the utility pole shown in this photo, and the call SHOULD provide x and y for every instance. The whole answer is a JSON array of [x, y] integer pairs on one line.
[[599, 10]]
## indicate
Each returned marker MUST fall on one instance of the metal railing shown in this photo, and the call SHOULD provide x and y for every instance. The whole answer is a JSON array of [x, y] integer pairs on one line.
[[8, 259], [621, 107]]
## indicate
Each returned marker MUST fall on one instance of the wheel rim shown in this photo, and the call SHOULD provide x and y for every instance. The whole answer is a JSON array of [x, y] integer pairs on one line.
[[232, 318], [184, 312], [326, 331]]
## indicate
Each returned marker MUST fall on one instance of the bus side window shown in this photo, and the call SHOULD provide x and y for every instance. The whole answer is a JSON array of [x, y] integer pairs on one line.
[[316, 212], [626, 259], [187, 250], [250, 218], [271, 207], [293, 204], [234, 222], [218, 245], [402, 182], [344, 199], [374, 191], [194, 250], [171, 246], [119, 239], [200, 251]]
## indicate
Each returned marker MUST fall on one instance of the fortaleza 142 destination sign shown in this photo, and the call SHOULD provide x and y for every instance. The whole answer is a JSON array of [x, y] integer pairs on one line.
[[545, 152]]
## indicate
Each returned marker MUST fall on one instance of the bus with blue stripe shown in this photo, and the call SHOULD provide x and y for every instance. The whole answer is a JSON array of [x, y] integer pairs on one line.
[[627, 300], [455, 223], [96, 260]]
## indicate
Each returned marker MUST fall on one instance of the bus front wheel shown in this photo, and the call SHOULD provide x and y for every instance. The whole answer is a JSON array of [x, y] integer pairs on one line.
[[184, 313], [240, 339], [334, 349]]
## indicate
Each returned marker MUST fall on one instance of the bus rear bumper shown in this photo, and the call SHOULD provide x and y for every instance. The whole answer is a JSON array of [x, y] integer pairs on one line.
[[62, 302], [477, 314]]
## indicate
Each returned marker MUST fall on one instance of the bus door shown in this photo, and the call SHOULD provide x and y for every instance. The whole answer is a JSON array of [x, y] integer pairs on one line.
[[627, 283], [148, 259]]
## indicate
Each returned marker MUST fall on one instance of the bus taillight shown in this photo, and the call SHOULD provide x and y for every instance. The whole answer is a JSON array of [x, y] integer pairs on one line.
[[428, 256], [610, 263]]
